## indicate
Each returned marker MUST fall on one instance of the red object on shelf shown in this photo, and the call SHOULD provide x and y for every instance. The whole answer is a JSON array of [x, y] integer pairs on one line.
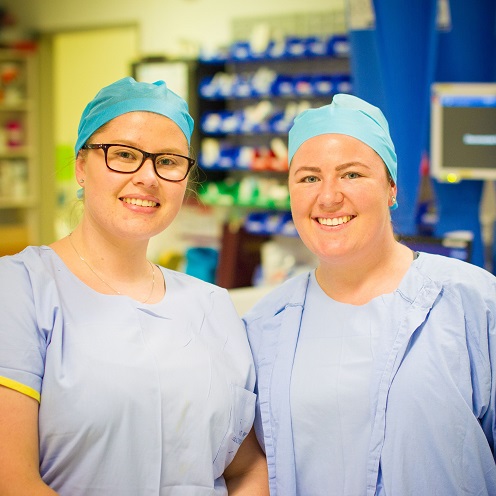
[[14, 134]]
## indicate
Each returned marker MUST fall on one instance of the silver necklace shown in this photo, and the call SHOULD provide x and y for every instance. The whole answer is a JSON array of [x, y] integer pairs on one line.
[[103, 280]]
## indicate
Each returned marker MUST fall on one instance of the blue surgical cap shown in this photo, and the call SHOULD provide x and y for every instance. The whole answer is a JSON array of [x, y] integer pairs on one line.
[[349, 115], [128, 95]]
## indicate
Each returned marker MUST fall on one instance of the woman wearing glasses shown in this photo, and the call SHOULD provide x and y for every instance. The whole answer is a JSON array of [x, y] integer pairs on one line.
[[118, 376]]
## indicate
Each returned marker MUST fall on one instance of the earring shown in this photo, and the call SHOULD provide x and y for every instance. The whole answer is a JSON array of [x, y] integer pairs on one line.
[[80, 193], [393, 200], [81, 181]]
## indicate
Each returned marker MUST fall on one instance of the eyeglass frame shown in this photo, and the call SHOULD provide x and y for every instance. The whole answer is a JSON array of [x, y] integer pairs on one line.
[[146, 155]]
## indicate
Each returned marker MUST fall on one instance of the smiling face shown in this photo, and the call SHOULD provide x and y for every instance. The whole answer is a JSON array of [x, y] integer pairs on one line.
[[137, 205], [340, 198]]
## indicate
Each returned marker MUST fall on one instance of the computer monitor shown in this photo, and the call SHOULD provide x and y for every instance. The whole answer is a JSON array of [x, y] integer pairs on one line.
[[463, 131], [449, 247]]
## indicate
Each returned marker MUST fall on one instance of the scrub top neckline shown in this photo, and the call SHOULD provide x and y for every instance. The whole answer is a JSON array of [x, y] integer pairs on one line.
[[399, 289], [89, 288]]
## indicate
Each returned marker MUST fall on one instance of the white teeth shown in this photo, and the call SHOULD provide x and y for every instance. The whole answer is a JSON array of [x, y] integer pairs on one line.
[[336, 221], [141, 203]]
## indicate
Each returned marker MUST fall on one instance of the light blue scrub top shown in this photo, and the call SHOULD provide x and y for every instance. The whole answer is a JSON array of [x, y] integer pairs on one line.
[[432, 387], [136, 399], [330, 388]]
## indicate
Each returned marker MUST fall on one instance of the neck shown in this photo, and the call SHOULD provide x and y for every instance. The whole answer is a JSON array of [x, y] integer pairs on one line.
[[112, 267], [361, 279], [125, 259]]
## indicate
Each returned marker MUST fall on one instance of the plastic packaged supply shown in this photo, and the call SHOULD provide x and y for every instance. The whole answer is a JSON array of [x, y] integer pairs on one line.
[[201, 262], [245, 157], [14, 134], [210, 151], [262, 81], [295, 46], [19, 180], [248, 191], [278, 262], [260, 40], [211, 122]]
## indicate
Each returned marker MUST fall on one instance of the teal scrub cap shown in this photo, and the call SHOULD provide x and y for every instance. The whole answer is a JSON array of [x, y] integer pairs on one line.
[[349, 115], [128, 95]]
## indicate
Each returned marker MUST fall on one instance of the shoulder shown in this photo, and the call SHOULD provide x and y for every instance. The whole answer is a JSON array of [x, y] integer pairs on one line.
[[291, 292], [461, 279], [200, 294], [29, 264], [191, 283], [31, 254], [28, 289], [450, 271]]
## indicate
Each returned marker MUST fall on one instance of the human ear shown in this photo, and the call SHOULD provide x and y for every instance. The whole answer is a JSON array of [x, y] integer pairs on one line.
[[80, 167]]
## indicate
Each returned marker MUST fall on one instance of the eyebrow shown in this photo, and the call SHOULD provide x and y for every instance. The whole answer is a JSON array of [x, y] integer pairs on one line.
[[131, 143], [339, 168], [307, 168], [351, 164]]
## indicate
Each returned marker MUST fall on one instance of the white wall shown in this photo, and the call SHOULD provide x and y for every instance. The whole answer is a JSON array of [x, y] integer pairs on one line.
[[173, 27]]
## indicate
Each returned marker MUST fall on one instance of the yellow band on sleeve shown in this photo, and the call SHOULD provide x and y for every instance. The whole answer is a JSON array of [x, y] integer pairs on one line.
[[22, 388]]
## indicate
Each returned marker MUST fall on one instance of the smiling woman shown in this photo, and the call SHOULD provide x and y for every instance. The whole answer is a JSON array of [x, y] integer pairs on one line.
[[339, 196], [122, 199], [375, 371], [118, 376]]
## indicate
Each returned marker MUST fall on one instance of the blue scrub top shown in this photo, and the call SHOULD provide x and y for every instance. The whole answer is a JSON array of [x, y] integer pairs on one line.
[[330, 384], [432, 389], [135, 399]]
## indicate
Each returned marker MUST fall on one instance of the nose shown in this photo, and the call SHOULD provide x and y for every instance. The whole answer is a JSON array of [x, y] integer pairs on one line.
[[330, 193], [146, 175]]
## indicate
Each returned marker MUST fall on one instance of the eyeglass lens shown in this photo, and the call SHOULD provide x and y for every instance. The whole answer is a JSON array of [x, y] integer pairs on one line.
[[121, 158]]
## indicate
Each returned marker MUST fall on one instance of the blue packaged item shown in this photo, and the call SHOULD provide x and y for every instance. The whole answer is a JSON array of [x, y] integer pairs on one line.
[[287, 227], [211, 122], [201, 262], [283, 86], [273, 223], [303, 85], [295, 47], [276, 49], [316, 46], [243, 157], [206, 88], [262, 81], [240, 50], [322, 84], [231, 122], [255, 222], [225, 160], [213, 55], [241, 87], [224, 84], [339, 46], [341, 83], [278, 123]]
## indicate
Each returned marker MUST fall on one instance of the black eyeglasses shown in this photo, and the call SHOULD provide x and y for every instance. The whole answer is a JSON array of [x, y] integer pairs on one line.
[[128, 159]]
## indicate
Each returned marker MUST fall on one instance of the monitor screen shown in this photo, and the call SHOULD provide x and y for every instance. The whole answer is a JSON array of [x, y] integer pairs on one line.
[[463, 131], [449, 247]]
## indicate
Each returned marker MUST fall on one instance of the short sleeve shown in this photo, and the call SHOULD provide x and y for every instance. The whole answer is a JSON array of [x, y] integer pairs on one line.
[[22, 342]]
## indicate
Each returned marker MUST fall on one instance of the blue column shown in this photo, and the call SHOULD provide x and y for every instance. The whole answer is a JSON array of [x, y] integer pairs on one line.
[[406, 35], [393, 66], [466, 53], [365, 68]]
